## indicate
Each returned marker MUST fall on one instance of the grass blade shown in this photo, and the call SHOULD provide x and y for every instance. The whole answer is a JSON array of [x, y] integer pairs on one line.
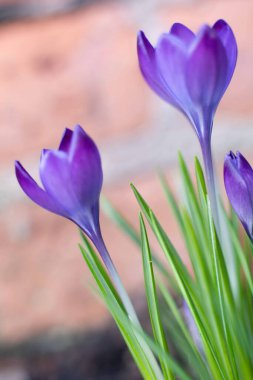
[[152, 300]]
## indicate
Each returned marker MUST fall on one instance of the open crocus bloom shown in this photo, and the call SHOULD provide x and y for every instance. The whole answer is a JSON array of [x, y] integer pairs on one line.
[[190, 71], [72, 179], [238, 178]]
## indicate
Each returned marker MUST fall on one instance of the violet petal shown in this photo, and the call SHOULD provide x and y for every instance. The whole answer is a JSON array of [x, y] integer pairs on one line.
[[33, 191], [183, 33], [206, 69], [66, 140], [227, 38], [237, 178], [55, 177], [148, 67], [85, 167], [171, 57]]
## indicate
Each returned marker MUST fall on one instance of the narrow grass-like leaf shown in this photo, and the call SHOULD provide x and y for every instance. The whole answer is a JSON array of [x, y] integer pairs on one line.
[[242, 258], [101, 268], [147, 212], [186, 286], [184, 220], [201, 367], [176, 368], [152, 300], [129, 230], [156, 348], [120, 220], [137, 350], [199, 217], [202, 192], [221, 275], [202, 189], [194, 204], [172, 201], [197, 258], [190, 195]]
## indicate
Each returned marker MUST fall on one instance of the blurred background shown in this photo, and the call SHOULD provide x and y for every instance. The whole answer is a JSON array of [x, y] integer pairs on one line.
[[64, 62]]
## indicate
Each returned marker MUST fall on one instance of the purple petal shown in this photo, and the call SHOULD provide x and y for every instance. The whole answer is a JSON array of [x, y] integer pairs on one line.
[[148, 67], [85, 167], [238, 191], [245, 169], [66, 140], [43, 152], [183, 33], [33, 191], [227, 38], [192, 327], [171, 57], [55, 177], [246, 172], [206, 69]]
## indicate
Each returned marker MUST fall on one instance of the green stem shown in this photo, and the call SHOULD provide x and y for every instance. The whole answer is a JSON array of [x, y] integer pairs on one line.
[[101, 247], [218, 217]]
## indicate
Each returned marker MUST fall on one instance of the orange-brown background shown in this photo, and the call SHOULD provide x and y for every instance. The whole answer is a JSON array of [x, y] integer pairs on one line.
[[81, 67]]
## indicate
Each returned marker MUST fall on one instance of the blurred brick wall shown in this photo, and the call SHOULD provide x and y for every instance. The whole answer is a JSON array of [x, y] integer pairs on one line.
[[82, 68]]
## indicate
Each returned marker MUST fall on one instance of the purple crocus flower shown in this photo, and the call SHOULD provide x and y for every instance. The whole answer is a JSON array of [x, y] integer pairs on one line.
[[238, 178], [72, 179], [191, 72]]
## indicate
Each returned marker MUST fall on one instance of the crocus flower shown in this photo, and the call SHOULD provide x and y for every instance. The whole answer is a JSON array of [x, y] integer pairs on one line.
[[71, 178], [238, 178], [191, 72]]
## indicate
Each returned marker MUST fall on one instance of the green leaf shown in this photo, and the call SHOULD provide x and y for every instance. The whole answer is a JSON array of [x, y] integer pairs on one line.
[[150, 217], [200, 366], [152, 300], [197, 216], [187, 287], [242, 258], [100, 267], [172, 201], [222, 280], [135, 347], [129, 230], [120, 220]]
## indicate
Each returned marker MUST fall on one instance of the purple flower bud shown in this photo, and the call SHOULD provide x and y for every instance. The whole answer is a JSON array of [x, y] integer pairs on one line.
[[238, 178], [71, 178], [190, 71], [192, 327]]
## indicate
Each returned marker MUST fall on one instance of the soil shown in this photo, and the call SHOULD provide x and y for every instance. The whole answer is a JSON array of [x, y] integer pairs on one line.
[[98, 355]]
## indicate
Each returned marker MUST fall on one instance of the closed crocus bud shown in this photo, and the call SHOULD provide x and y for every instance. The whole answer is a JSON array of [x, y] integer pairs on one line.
[[71, 178], [238, 178], [190, 71]]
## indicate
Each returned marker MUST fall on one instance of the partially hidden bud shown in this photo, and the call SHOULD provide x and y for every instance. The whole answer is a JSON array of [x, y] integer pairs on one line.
[[238, 179], [192, 327]]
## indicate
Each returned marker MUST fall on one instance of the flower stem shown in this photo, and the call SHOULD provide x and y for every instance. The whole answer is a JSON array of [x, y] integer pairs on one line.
[[101, 247], [211, 185], [218, 217]]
